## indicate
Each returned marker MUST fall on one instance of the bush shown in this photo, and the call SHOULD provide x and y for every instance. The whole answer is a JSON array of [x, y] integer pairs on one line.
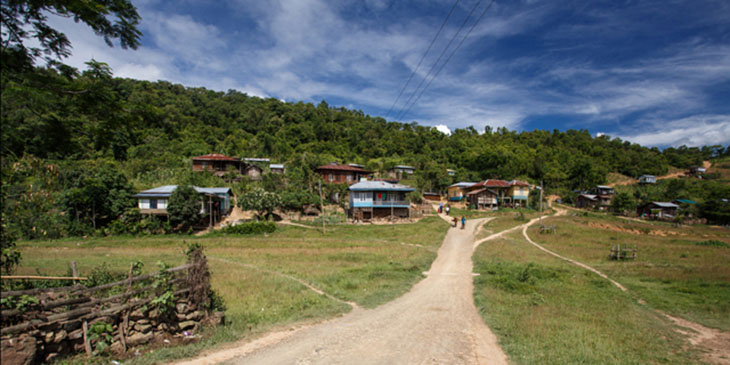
[[184, 208], [250, 228], [714, 243]]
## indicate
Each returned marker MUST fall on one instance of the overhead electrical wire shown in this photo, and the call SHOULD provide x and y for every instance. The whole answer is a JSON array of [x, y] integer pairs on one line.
[[433, 67], [422, 58], [448, 59]]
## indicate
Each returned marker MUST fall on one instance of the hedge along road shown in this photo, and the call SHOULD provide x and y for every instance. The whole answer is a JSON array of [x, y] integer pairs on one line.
[[435, 322]]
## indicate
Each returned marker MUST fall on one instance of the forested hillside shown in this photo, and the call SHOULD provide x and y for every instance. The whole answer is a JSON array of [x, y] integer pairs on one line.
[[76, 145], [158, 125]]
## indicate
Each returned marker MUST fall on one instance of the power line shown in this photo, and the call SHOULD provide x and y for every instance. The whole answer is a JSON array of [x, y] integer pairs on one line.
[[449, 58], [422, 58], [433, 67]]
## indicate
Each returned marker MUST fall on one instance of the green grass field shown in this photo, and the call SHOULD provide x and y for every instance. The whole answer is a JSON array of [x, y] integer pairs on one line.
[[365, 264], [545, 310]]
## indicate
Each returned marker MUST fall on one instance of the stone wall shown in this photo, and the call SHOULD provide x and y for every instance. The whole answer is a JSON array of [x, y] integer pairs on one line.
[[77, 319]]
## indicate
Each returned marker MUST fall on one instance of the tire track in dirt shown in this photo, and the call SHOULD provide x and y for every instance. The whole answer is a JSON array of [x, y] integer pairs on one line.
[[716, 342]]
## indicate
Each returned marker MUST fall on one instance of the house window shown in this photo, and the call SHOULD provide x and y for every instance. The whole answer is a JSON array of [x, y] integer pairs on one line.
[[153, 203], [349, 178], [144, 204], [162, 204], [331, 177]]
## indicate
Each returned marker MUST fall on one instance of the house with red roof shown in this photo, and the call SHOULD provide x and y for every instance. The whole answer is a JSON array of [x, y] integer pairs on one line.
[[335, 173], [489, 193], [217, 163]]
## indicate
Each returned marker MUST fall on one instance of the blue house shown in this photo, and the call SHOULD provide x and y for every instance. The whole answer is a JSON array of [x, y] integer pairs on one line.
[[378, 199]]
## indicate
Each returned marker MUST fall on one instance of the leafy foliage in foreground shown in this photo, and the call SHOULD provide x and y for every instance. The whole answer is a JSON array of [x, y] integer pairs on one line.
[[249, 228]]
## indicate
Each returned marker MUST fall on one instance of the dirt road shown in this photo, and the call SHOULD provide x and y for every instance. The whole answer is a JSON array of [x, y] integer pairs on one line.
[[436, 323]]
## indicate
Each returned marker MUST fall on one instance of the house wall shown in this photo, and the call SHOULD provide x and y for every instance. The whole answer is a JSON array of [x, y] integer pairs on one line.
[[455, 192], [340, 177]]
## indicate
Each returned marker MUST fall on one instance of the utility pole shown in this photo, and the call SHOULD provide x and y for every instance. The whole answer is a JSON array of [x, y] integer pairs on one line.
[[541, 189], [210, 210], [392, 221], [321, 205]]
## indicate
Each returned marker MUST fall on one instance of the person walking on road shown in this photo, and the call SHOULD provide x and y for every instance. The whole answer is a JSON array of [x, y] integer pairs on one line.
[[463, 221], [448, 209], [455, 220]]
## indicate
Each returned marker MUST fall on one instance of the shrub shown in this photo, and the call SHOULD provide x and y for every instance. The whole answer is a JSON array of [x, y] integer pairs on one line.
[[250, 228], [714, 243]]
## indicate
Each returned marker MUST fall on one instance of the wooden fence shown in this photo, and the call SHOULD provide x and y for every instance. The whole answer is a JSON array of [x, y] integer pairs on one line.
[[111, 317]]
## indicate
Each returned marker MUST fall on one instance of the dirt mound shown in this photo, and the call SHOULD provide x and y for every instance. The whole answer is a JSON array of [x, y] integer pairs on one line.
[[653, 232]]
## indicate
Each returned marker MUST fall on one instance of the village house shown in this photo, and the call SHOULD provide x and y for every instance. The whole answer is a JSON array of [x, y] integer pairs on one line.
[[482, 198], [696, 171], [217, 163], [647, 179], [277, 168], [604, 194], [494, 192], [378, 199], [335, 173], [399, 171], [586, 201], [517, 194], [451, 172], [658, 210], [431, 196], [215, 200], [457, 192]]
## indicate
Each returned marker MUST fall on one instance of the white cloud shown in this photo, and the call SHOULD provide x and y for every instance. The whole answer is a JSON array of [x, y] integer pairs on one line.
[[691, 131], [443, 129]]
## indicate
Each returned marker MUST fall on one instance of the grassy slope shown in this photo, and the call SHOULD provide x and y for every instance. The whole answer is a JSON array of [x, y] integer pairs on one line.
[[545, 310], [367, 264]]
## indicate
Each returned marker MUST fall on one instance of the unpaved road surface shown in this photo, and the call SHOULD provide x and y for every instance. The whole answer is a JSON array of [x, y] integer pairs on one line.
[[436, 322]]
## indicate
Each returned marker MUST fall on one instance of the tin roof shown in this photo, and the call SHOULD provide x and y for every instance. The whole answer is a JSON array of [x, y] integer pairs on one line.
[[665, 204], [379, 186], [589, 196], [462, 184], [685, 201], [404, 167], [492, 183], [215, 157], [167, 190], [338, 167], [517, 183], [276, 166]]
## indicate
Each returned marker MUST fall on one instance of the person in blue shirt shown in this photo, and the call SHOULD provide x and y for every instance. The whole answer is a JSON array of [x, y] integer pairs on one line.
[[463, 221]]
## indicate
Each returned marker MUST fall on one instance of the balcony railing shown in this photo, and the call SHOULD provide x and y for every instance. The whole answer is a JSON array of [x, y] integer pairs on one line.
[[387, 203]]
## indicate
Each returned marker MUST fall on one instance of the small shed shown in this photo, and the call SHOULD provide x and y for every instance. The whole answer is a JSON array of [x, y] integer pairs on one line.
[[660, 210], [277, 168], [482, 198], [431, 196], [647, 179], [587, 201]]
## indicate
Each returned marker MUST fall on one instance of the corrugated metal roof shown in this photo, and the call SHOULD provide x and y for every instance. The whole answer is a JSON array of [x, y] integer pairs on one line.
[[589, 196], [167, 190], [463, 184], [404, 167], [665, 204], [337, 167], [685, 201], [379, 186], [276, 166]]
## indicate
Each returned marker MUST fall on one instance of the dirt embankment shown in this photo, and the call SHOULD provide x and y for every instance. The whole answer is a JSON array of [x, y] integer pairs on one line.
[[652, 232]]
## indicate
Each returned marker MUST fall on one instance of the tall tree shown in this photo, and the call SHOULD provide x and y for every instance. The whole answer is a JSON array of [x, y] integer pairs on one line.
[[26, 19]]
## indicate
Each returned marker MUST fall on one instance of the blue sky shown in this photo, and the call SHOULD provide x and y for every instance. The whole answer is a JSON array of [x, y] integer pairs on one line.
[[652, 72]]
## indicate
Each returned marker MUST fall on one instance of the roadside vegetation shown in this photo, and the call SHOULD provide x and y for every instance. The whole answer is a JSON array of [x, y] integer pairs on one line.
[[255, 274], [545, 310]]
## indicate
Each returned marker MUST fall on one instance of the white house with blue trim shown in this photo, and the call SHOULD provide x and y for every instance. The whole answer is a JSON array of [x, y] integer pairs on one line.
[[378, 199], [154, 201]]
